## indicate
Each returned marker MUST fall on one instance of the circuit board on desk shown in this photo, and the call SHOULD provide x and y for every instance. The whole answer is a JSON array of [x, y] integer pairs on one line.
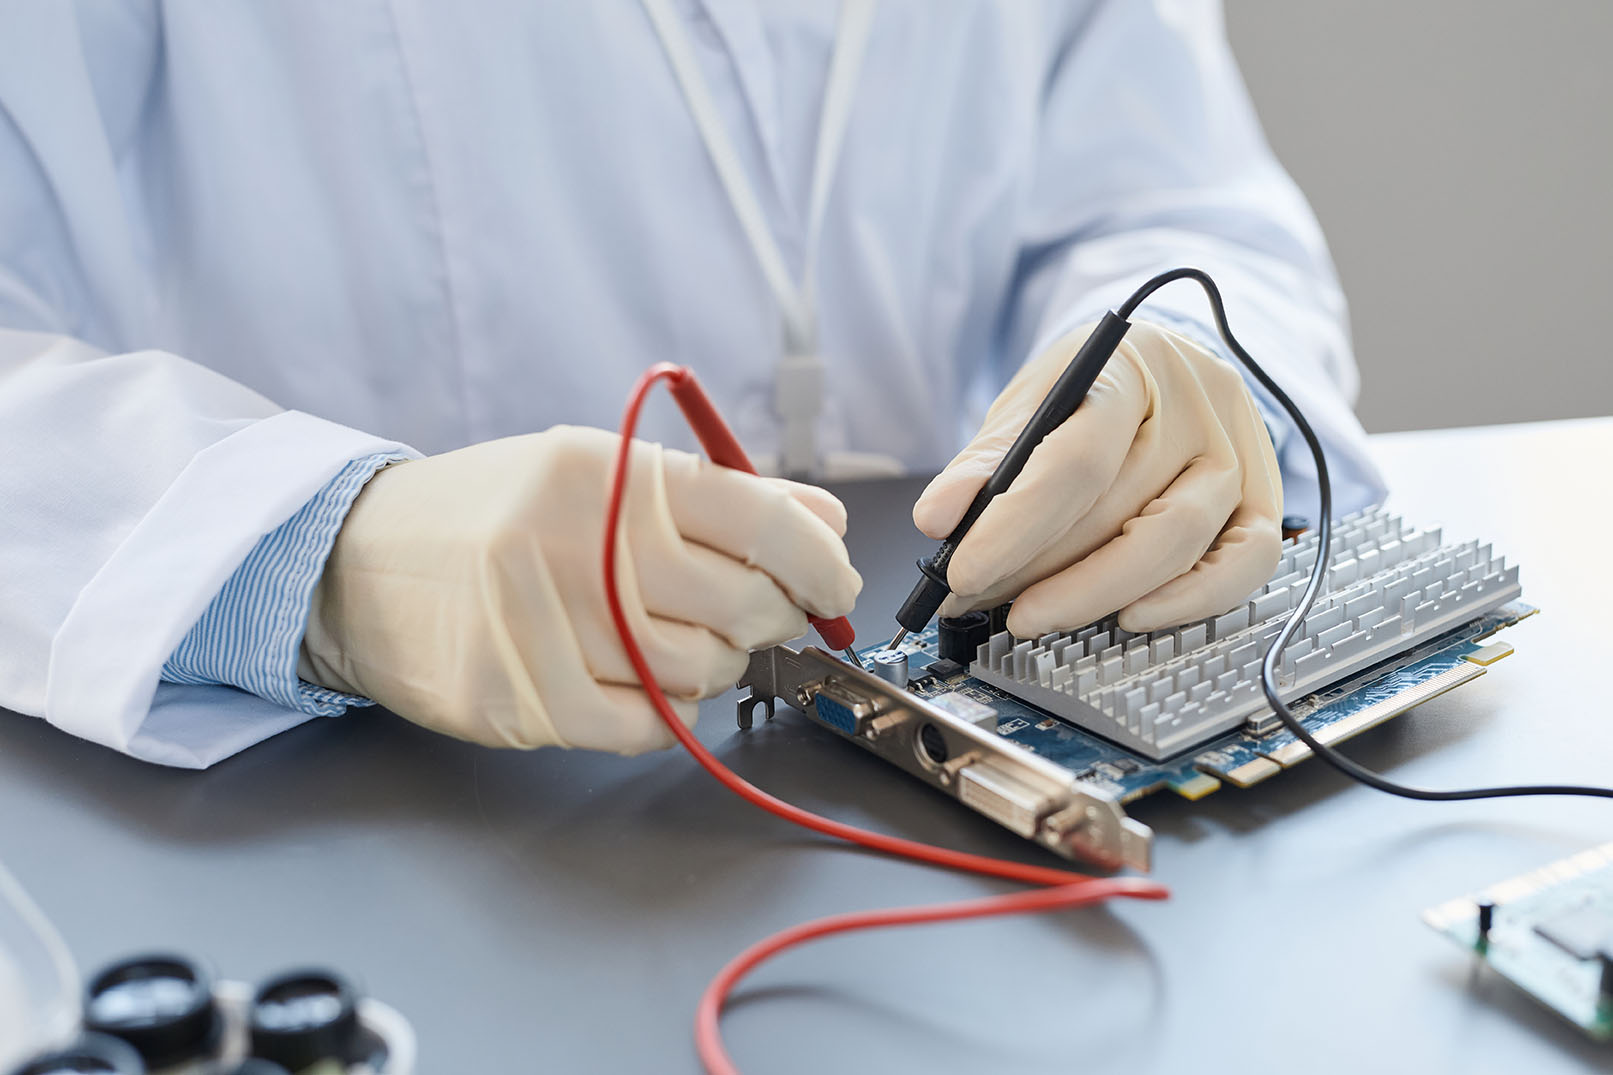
[[1052, 737], [1240, 758], [1549, 932], [1064, 787]]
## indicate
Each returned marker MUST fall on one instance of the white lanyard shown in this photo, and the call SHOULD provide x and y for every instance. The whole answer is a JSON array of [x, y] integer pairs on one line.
[[799, 389]]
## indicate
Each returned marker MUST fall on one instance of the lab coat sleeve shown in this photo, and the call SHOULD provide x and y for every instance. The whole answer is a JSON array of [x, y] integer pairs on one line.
[[1150, 157], [135, 486], [133, 483], [252, 631]]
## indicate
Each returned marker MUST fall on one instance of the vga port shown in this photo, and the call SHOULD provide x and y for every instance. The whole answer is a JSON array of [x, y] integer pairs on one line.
[[841, 708]]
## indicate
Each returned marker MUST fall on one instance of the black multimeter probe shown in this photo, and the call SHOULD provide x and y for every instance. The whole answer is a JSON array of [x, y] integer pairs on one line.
[[1062, 400]]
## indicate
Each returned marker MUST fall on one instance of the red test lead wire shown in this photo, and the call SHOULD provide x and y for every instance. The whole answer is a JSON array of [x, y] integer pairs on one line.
[[1057, 889]]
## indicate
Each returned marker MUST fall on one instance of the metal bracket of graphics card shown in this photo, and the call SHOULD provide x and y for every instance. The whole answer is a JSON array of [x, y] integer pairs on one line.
[[990, 774]]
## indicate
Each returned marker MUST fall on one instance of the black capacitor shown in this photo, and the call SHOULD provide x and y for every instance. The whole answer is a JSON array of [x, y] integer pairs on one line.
[[1486, 918], [999, 617], [160, 1004], [93, 1054], [304, 1016], [962, 636]]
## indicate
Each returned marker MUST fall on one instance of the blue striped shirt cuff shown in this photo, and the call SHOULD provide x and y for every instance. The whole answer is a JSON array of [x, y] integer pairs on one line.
[[250, 634]]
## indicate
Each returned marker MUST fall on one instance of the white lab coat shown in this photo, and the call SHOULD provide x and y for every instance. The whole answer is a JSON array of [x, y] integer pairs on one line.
[[427, 224]]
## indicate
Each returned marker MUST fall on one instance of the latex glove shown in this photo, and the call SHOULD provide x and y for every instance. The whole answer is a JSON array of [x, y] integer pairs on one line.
[[465, 591], [1160, 497]]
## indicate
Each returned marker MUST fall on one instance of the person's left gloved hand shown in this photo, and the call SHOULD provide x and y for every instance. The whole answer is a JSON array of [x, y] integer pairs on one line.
[[1160, 497]]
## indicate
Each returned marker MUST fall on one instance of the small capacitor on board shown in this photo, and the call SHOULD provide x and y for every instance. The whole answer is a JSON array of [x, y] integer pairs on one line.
[[889, 665]]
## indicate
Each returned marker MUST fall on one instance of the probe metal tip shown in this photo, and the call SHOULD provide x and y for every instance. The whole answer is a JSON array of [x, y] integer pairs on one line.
[[897, 641], [851, 655]]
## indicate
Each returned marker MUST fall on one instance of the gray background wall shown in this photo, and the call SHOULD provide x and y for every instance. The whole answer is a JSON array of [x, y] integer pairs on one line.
[[1460, 156]]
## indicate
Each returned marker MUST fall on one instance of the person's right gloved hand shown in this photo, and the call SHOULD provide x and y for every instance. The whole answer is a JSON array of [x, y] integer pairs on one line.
[[466, 593], [1160, 498]]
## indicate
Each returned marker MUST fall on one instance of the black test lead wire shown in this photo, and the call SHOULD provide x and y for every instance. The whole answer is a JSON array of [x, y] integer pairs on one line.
[[1274, 655]]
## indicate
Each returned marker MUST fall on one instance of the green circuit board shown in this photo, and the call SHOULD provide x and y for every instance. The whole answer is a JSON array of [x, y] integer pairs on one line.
[[1241, 758], [1549, 932]]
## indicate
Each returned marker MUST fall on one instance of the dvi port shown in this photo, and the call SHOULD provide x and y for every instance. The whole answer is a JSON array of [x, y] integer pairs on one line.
[[1003, 797], [842, 708]]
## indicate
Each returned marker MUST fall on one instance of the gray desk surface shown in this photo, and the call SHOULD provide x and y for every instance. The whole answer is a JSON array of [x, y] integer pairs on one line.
[[561, 911]]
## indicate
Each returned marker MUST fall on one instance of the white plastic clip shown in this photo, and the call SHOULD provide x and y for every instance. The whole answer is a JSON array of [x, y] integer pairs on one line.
[[798, 401]]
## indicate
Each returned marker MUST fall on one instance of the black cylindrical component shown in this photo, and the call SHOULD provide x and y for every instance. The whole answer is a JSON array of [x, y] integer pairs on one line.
[[162, 1005], [1486, 918], [93, 1054], [302, 1017], [962, 636]]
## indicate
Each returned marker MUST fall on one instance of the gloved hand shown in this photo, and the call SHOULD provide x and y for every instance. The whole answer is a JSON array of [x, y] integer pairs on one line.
[[465, 591], [1159, 497]]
